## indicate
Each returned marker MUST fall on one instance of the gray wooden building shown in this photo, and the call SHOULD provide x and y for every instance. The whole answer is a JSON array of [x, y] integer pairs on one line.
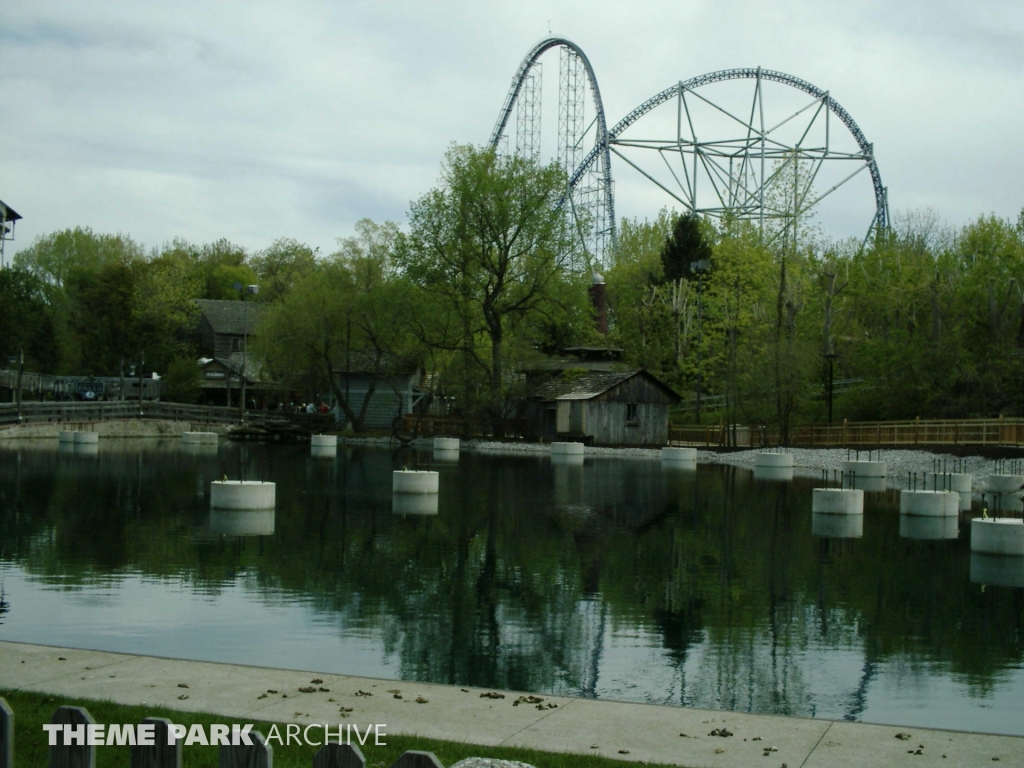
[[396, 385], [223, 325], [602, 408]]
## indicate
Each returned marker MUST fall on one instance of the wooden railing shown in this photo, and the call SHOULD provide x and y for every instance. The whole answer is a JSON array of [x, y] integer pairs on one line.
[[74, 412], [164, 749], [873, 434], [454, 425]]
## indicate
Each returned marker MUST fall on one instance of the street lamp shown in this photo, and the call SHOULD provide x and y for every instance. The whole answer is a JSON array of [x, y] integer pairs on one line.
[[253, 290], [831, 357], [699, 268]]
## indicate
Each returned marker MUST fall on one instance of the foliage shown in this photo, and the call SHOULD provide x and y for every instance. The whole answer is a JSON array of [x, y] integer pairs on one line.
[[489, 249], [182, 381]]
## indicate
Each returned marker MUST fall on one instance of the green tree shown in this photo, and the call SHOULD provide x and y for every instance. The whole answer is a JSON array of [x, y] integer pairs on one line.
[[26, 322], [181, 382], [490, 245], [279, 267]]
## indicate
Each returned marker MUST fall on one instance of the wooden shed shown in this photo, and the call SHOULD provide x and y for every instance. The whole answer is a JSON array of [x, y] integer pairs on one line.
[[602, 408]]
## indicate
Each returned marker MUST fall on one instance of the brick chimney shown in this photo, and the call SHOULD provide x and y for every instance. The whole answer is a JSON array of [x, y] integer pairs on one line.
[[600, 302]]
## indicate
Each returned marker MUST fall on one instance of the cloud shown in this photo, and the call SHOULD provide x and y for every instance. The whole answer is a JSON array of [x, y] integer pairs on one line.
[[255, 120]]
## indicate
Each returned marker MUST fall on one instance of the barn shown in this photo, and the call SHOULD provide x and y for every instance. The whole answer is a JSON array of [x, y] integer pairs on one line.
[[601, 408]]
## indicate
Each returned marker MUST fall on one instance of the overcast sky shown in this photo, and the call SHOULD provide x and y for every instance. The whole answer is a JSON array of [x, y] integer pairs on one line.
[[253, 120]]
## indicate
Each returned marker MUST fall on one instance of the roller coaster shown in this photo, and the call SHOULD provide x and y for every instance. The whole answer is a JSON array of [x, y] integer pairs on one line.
[[711, 159]]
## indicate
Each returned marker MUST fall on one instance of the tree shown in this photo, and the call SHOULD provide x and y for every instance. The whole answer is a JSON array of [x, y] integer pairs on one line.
[[281, 266], [26, 323], [352, 304], [490, 245], [687, 245], [182, 382]]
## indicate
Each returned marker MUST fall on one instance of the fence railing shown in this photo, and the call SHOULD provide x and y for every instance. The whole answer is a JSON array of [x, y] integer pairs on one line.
[[994, 432], [453, 425], [74, 412], [165, 746]]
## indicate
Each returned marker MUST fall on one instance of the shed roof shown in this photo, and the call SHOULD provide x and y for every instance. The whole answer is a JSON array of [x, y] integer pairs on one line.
[[590, 385], [228, 317]]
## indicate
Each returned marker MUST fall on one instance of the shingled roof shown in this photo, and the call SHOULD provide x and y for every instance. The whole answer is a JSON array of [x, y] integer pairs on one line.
[[583, 387], [228, 317]]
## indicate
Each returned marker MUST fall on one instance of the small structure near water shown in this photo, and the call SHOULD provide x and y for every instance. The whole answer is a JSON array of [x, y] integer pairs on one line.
[[930, 503], [242, 494]]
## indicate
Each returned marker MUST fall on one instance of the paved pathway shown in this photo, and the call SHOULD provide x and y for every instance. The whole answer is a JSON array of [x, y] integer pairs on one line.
[[645, 732]]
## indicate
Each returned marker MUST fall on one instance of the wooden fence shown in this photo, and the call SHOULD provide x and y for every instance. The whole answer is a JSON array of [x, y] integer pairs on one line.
[[165, 750], [73, 412], [867, 434]]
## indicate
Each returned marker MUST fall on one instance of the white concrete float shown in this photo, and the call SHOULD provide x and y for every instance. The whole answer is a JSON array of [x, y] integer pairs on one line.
[[837, 501], [86, 437], [773, 460], [997, 536], [414, 503], [567, 459], [1004, 483], [997, 570], [323, 441], [446, 456], [66, 436], [323, 451], [929, 528], [242, 494], [242, 522], [199, 438], [773, 473], [837, 526], [446, 443], [414, 481], [674, 453], [567, 449], [864, 469], [873, 484], [962, 483], [929, 503]]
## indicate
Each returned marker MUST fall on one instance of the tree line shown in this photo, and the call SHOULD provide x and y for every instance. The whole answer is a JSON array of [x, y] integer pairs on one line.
[[920, 319]]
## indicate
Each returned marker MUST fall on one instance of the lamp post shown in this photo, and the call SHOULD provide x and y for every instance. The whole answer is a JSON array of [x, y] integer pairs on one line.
[[831, 357], [699, 268], [16, 394], [254, 290]]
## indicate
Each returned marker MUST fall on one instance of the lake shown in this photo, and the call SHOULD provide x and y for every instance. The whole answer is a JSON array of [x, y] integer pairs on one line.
[[618, 579]]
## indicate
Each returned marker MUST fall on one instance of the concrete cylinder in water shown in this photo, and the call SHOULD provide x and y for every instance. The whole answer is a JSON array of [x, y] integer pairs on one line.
[[446, 456], [324, 441], [875, 484], [323, 451], [199, 438], [672, 453], [930, 528], [414, 503], [837, 526], [567, 449], [773, 460], [864, 469], [929, 503], [414, 481], [446, 443], [997, 570], [961, 482], [1004, 483], [773, 473], [242, 494], [87, 437], [66, 436], [242, 522], [567, 459], [837, 501], [686, 466], [997, 536]]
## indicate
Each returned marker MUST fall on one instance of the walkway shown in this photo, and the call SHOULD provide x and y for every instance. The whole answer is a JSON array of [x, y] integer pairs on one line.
[[631, 732]]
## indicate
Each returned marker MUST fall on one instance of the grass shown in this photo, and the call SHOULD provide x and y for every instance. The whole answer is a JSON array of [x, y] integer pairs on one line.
[[31, 710]]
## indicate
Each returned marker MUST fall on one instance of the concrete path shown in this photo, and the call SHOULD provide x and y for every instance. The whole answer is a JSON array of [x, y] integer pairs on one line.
[[632, 732]]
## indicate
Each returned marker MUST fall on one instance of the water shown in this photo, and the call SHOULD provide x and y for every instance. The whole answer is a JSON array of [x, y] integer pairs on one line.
[[617, 579]]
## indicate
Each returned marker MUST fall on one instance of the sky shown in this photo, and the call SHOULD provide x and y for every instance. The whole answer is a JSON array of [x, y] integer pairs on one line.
[[252, 121]]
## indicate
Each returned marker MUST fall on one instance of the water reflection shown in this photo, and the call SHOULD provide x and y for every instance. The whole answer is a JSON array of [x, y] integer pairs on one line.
[[613, 578], [997, 570], [242, 522], [918, 527], [415, 503]]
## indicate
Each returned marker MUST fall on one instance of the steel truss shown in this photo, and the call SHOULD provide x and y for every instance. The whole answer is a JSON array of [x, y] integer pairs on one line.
[[743, 171], [589, 203]]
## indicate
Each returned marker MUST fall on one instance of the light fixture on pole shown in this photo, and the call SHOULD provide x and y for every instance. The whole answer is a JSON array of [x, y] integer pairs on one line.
[[253, 290], [699, 268]]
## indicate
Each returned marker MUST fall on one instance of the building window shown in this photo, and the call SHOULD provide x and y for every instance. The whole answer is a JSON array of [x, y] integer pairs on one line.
[[632, 418], [236, 344]]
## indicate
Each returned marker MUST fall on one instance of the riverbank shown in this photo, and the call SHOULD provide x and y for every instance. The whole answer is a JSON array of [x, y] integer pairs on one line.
[[111, 429], [644, 733]]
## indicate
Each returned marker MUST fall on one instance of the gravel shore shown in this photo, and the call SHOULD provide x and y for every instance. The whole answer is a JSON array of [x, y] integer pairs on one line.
[[808, 462]]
